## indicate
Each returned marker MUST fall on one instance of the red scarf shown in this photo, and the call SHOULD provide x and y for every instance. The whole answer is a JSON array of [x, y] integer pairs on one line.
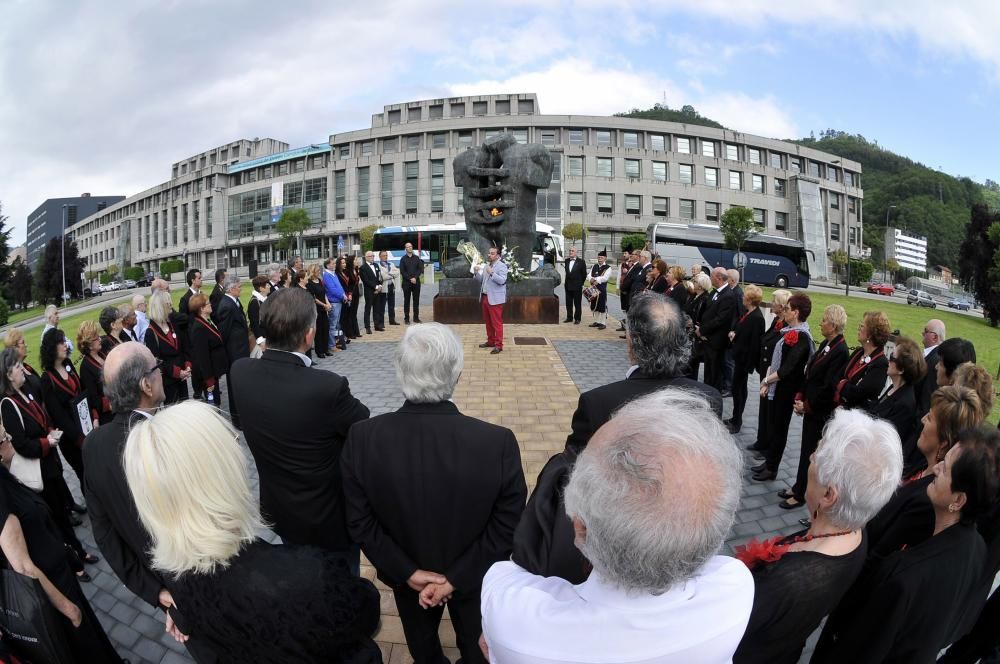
[[70, 386], [168, 338]]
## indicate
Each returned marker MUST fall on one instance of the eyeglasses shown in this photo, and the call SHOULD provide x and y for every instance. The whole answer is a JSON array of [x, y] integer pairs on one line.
[[156, 367]]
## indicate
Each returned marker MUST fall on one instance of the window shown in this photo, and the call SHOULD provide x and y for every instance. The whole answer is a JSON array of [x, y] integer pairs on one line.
[[548, 137], [412, 172], [413, 114], [267, 176], [460, 197], [852, 234], [852, 205], [779, 187], [848, 178], [814, 169], [632, 169], [831, 174], [386, 193], [366, 149], [736, 180], [834, 200], [712, 212], [479, 108], [339, 193], [208, 222], [576, 137], [437, 185], [687, 209], [575, 166], [732, 152], [394, 117], [413, 142], [630, 139], [686, 172], [363, 191], [659, 171], [633, 204], [389, 145], [439, 140], [293, 193], [683, 145], [605, 167], [576, 201], [835, 232], [711, 177], [526, 106], [521, 136], [707, 148], [795, 164], [775, 160], [465, 139], [780, 221], [435, 111], [457, 110], [660, 206], [758, 184], [606, 203], [503, 107], [603, 137], [657, 142], [345, 151], [760, 217], [753, 154]]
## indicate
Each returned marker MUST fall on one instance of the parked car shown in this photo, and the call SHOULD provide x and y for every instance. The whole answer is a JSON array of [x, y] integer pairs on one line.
[[130, 283], [901, 287], [881, 289], [87, 292], [142, 283], [921, 299], [960, 304]]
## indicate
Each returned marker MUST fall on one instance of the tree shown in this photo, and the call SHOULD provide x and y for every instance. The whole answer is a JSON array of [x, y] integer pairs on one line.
[[290, 227], [839, 260], [979, 265], [6, 271], [861, 271], [21, 283], [49, 275], [367, 235], [737, 226], [892, 267], [112, 271], [633, 241], [574, 232]]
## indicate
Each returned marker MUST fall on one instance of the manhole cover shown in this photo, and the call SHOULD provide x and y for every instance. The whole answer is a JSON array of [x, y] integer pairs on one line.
[[530, 341]]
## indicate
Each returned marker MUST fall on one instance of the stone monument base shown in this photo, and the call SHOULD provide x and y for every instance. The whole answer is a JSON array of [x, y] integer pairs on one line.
[[531, 301]]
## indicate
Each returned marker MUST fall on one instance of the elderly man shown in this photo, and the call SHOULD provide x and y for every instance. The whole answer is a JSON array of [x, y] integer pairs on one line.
[[729, 365], [232, 322], [659, 349], [716, 321], [635, 281], [134, 386], [141, 319], [388, 298], [274, 276], [933, 335], [492, 295], [372, 278], [576, 275], [438, 530], [51, 321], [296, 433], [652, 499]]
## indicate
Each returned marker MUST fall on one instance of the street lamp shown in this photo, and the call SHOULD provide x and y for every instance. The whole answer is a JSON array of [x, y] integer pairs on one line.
[[63, 247], [885, 257]]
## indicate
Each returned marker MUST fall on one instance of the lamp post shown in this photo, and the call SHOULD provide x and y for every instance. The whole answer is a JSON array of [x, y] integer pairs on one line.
[[885, 257], [63, 248]]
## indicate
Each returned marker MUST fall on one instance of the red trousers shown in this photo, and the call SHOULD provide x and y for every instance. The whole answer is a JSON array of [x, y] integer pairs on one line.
[[493, 318]]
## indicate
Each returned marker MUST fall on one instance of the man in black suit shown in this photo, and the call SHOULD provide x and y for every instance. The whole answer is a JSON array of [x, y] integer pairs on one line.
[[433, 496], [296, 433], [933, 335], [217, 292], [232, 323], [371, 279], [576, 275], [729, 365], [635, 281], [134, 387], [411, 269], [659, 349], [716, 322], [183, 320]]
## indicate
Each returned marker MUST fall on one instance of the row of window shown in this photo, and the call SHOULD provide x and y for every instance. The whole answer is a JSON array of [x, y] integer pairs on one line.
[[660, 207], [460, 109], [220, 156]]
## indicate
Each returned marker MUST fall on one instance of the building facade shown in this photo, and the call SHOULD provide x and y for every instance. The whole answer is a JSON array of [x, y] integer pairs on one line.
[[614, 175], [910, 251], [47, 221]]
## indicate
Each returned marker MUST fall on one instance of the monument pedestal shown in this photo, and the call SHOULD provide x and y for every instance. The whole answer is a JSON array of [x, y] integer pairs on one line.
[[531, 301]]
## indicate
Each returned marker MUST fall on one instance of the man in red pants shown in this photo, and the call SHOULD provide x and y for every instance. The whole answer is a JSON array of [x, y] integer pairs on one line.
[[492, 296]]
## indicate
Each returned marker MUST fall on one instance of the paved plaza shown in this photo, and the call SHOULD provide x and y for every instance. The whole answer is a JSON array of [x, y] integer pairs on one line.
[[532, 389]]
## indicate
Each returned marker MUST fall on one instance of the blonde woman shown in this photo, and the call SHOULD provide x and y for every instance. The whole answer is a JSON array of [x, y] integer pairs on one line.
[[779, 302], [88, 340], [252, 601], [162, 340]]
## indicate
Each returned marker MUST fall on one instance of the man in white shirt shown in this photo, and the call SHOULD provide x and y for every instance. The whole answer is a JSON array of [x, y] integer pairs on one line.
[[933, 335], [645, 521], [141, 320]]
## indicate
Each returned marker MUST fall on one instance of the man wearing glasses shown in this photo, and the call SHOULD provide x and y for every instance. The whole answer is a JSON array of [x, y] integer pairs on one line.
[[933, 335]]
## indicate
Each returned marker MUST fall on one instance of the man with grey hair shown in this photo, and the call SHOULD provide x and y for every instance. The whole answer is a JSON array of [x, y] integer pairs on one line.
[[716, 321], [933, 335], [231, 320], [646, 524], [274, 276], [141, 320], [457, 492], [659, 350], [729, 365]]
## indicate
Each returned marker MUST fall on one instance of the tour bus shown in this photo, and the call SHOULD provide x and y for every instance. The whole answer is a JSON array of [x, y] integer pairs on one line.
[[771, 260], [437, 243]]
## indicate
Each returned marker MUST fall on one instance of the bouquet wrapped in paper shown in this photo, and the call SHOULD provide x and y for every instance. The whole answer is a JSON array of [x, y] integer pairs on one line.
[[469, 250]]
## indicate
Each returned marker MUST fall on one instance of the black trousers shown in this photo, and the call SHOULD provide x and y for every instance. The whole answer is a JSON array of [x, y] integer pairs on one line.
[[983, 642], [714, 359], [372, 302], [574, 304], [421, 627], [812, 431], [73, 455], [56, 495], [741, 375], [321, 342], [411, 291], [763, 423], [234, 413], [777, 428], [389, 303]]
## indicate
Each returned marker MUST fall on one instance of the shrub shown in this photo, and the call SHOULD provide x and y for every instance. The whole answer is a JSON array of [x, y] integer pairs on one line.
[[633, 241]]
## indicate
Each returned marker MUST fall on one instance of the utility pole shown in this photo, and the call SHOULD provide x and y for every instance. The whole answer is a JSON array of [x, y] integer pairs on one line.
[[885, 253], [63, 248]]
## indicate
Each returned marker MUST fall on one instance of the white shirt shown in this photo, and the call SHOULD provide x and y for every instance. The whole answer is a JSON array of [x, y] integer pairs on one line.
[[233, 299], [141, 324], [929, 350], [529, 619]]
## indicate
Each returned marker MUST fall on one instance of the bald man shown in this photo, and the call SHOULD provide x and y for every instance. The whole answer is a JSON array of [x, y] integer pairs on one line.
[[716, 322]]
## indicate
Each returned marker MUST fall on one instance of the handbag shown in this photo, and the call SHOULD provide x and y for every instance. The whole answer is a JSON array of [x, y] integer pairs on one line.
[[27, 471], [32, 627]]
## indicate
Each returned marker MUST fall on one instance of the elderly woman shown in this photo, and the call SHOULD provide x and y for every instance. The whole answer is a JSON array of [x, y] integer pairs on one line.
[[33, 381], [908, 518], [745, 339], [62, 390], [779, 301], [953, 353], [656, 280], [898, 401], [864, 375], [251, 600], [695, 308], [909, 605], [162, 340], [799, 578], [815, 401], [88, 340], [675, 286], [261, 289], [783, 380], [111, 322], [208, 351], [285, 277]]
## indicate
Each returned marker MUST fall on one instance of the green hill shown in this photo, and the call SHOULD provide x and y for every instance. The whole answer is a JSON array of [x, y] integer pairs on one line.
[[686, 115]]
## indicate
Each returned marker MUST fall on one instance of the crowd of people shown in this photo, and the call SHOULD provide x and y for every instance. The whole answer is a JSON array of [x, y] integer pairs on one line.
[[615, 556]]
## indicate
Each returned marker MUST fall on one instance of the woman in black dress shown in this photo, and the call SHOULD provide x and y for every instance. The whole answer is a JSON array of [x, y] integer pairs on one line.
[[318, 291], [162, 340], [252, 601], [909, 605], [88, 342], [675, 286], [815, 402], [350, 280], [208, 352], [695, 308], [657, 278], [800, 578], [62, 392], [898, 401], [864, 375], [33, 380], [261, 289], [111, 322], [745, 340], [779, 300]]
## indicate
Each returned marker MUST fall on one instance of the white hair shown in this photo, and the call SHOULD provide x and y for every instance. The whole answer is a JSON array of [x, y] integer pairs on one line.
[[230, 281], [861, 457], [429, 360], [159, 307], [702, 281], [189, 479], [51, 309], [640, 489], [138, 301]]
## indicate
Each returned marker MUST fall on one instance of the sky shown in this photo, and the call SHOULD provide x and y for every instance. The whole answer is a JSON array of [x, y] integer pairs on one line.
[[103, 96]]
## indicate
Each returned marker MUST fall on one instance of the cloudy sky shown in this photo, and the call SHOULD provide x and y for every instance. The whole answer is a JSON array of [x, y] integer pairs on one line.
[[102, 96]]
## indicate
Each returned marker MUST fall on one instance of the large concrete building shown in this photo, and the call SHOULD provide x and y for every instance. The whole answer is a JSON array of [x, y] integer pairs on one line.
[[910, 251], [615, 175], [48, 220]]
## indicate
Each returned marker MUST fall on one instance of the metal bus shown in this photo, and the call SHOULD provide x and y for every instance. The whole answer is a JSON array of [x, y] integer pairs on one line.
[[437, 243], [771, 260]]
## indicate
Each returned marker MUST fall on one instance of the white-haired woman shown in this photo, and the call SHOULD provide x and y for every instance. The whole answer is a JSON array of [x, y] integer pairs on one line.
[[800, 578], [251, 601], [779, 302], [162, 340], [701, 285]]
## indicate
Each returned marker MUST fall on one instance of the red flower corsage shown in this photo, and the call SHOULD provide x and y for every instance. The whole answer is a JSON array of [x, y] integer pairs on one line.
[[753, 552], [791, 338]]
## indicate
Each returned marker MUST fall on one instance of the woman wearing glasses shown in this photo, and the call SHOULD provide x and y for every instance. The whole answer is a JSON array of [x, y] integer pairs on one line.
[[162, 340]]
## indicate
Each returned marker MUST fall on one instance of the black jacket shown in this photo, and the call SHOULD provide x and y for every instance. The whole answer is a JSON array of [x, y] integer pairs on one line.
[[926, 386], [679, 295], [61, 397], [411, 267], [28, 424], [576, 278], [216, 296], [767, 343], [862, 382], [166, 347], [717, 319], [208, 352], [429, 488], [638, 282], [370, 278], [296, 436], [746, 343], [791, 372], [92, 377], [253, 317], [232, 324], [822, 375], [900, 408]]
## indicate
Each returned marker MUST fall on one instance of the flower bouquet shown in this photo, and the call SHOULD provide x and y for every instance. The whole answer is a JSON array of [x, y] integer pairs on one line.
[[515, 272], [469, 250]]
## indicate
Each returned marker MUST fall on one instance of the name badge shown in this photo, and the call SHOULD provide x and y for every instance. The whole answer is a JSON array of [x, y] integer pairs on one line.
[[31, 397], [826, 350], [866, 360], [173, 334]]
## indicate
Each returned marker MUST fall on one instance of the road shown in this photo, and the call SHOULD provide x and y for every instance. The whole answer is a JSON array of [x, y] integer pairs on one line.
[[115, 297], [899, 297]]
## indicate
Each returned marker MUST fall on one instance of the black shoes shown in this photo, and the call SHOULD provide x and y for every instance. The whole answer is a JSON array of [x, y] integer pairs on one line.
[[621, 328], [368, 330], [576, 322], [392, 322], [805, 522], [785, 505], [754, 447], [486, 345], [765, 475], [759, 467], [380, 329], [601, 326], [496, 351], [74, 520], [417, 320], [594, 325], [568, 320], [732, 427]]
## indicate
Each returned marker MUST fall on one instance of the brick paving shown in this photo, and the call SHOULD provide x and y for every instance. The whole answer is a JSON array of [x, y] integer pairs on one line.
[[533, 390]]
